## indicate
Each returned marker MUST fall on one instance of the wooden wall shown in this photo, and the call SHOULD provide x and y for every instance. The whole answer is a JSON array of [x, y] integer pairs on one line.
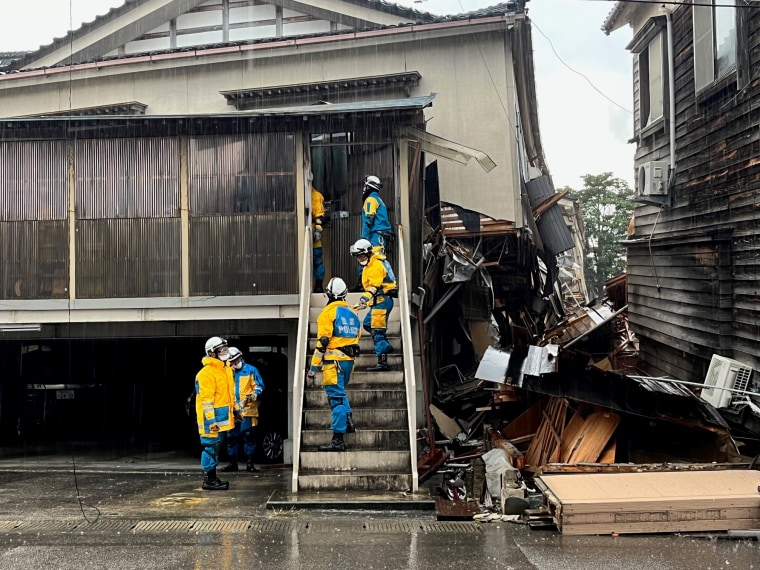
[[694, 266]]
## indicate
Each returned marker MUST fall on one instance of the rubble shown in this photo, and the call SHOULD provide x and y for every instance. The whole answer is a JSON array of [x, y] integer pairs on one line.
[[531, 384]]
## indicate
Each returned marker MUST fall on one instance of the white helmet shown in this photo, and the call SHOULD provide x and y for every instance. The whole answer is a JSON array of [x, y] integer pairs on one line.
[[234, 355], [336, 288], [213, 345], [373, 182], [361, 247]]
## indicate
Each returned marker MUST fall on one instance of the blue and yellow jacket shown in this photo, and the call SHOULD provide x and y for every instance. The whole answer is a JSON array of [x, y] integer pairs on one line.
[[214, 397], [374, 216], [377, 279], [248, 381], [341, 325]]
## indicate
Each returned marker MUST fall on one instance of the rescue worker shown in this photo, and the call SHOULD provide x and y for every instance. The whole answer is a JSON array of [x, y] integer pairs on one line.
[[317, 219], [338, 333], [248, 388], [380, 286], [376, 226], [215, 408]]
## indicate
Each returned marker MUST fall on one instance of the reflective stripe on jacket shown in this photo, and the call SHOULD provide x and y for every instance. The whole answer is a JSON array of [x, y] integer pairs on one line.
[[374, 216], [214, 397], [341, 325], [377, 279], [248, 381]]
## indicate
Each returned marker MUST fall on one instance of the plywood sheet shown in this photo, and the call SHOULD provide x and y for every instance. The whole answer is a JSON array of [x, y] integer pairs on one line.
[[600, 503]]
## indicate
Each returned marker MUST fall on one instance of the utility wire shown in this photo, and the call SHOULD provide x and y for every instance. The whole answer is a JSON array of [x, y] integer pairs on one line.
[[591, 83]]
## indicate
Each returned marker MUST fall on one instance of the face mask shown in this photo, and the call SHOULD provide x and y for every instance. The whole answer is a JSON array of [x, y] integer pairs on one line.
[[223, 354], [237, 365], [363, 260]]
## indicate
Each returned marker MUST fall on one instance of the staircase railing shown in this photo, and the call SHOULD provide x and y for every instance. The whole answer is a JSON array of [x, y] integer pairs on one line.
[[408, 353], [302, 346]]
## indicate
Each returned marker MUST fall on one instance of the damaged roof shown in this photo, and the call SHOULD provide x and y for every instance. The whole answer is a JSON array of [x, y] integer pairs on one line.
[[409, 17]]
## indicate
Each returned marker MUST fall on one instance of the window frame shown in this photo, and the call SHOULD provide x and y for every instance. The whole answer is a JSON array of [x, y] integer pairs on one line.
[[653, 30], [707, 82]]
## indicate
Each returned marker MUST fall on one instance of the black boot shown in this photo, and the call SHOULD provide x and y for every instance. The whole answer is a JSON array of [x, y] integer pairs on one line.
[[382, 364], [231, 468], [350, 427], [318, 287], [212, 483], [336, 444], [250, 467]]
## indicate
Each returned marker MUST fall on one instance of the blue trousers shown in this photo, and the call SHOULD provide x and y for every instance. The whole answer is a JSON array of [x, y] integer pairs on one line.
[[376, 323], [246, 429], [336, 396], [318, 264], [210, 447]]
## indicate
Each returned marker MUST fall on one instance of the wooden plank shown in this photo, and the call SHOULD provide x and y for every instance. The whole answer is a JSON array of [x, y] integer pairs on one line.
[[653, 502], [594, 436]]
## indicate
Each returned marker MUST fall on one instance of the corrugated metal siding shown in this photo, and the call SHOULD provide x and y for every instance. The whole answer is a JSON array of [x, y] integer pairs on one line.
[[252, 174], [243, 255], [33, 181], [127, 178], [34, 260], [243, 232], [128, 258]]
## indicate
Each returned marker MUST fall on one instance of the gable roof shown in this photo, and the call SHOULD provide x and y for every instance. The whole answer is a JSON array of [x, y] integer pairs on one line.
[[93, 46]]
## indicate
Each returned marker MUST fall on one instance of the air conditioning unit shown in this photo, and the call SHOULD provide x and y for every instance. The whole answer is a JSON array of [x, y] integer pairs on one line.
[[653, 178], [724, 373]]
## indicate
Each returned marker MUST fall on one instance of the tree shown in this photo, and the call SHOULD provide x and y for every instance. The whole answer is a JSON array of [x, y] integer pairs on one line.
[[606, 208]]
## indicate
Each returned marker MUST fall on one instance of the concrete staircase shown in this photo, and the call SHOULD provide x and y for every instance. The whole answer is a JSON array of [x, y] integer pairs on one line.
[[378, 454]]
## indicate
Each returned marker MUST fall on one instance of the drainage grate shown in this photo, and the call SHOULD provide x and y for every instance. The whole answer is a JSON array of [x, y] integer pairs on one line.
[[451, 527], [274, 526], [9, 525], [392, 526], [220, 526], [51, 524], [163, 526], [106, 525]]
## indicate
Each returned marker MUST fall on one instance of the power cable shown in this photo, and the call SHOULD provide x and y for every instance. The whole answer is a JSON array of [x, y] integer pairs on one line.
[[82, 504], [591, 83]]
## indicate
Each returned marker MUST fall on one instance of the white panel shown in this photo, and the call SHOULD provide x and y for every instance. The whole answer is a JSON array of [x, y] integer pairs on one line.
[[161, 28], [291, 13], [140, 46], [199, 20], [306, 28], [252, 14], [254, 33], [199, 39]]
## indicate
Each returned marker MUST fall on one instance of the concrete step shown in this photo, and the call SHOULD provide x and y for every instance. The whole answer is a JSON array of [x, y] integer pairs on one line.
[[359, 398], [366, 344], [377, 461], [360, 378], [369, 359], [388, 418], [394, 328], [317, 480], [362, 439]]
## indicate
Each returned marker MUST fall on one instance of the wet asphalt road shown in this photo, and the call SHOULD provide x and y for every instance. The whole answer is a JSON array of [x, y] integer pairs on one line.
[[129, 513]]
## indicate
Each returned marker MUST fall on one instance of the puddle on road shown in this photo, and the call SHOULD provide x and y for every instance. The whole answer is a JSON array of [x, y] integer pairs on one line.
[[180, 499]]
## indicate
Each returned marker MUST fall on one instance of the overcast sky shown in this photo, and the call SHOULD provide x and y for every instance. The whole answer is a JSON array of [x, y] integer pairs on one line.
[[582, 131]]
